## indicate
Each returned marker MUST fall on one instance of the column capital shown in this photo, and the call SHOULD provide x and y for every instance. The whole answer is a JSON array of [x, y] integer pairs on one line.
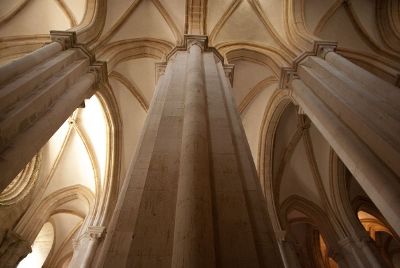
[[287, 76], [91, 233], [320, 49], [65, 38], [96, 232], [229, 72], [99, 68], [160, 69], [68, 40], [200, 40]]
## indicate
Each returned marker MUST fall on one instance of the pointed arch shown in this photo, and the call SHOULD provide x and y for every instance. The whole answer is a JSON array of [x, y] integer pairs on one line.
[[272, 57], [120, 51], [316, 216], [29, 225], [273, 112]]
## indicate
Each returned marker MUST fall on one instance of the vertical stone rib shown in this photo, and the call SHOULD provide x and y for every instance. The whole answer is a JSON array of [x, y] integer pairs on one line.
[[193, 235]]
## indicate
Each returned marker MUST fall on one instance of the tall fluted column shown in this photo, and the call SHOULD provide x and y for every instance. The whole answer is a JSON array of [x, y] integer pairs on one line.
[[359, 116], [37, 94], [193, 232], [191, 197]]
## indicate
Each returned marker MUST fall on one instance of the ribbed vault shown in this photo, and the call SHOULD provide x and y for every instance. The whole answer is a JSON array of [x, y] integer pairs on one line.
[[260, 37]]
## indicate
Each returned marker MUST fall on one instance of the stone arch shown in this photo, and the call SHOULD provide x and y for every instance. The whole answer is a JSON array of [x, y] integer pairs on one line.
[[123, 50], [366, 205], [315, 214], [21, 185], [340, 196], [298, 34], [275, 108], [105, 205], [323, 244], [30, 224], [347, 207], [270, 56], [253, 56], [92, 24]]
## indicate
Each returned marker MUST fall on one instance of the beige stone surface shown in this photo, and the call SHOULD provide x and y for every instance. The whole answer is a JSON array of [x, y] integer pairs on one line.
[[194, 199], [315, 85]]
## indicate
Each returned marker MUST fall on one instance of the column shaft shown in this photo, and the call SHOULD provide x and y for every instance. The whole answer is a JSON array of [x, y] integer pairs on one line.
[[191, 196], [367, 104], [36, 97], [377, 180], [141, 232], [193, 234], [19, 66]]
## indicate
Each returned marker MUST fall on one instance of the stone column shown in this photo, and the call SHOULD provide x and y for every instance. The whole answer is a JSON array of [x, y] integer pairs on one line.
[[27, 62], [193, 231], [86, 247], [12, 249], [37, 94], [287, 250], [191, 197], [359, 116]]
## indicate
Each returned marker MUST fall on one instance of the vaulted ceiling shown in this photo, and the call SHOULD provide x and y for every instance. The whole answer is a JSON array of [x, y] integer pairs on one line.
[[258, 36]]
